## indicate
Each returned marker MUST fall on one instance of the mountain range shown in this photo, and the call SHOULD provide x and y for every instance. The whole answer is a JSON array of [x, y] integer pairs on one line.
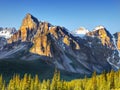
[[81, 51]]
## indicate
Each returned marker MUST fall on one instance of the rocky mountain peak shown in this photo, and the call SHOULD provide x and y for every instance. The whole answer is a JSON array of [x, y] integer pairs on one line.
[[27, 30], [102, 33], [29, 22], [29, 25], [29, 15]]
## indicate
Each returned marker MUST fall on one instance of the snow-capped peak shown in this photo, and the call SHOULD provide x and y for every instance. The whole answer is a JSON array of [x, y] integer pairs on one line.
[[7, 32], [80, 32], [99, 27]]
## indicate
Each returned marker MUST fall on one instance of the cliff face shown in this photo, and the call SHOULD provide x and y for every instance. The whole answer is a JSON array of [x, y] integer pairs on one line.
[[103, 35], [29, 27], [16, 36], [27, 30], [64, 37], [46, 35], [117, 38], [41, 41]]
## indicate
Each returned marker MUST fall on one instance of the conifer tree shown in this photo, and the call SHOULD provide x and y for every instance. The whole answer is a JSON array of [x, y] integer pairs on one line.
[[112, 86], [94, 81]]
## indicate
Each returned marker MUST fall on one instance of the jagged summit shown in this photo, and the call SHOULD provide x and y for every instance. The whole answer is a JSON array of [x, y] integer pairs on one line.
[[28, 15], [29, 22], [103, 34]]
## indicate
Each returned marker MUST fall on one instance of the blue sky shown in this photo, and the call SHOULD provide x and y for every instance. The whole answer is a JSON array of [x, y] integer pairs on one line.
[[71, 14]]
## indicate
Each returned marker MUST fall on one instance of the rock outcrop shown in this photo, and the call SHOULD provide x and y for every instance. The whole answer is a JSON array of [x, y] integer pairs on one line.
[[117, 38], [103, 35], [29, 27], [27, 30], [41, 41]]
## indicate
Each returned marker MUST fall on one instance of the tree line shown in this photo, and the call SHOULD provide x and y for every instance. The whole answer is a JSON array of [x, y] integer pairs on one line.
[[104, 81]]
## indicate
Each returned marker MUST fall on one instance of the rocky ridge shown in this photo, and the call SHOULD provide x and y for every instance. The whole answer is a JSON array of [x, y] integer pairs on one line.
[[42, 40]]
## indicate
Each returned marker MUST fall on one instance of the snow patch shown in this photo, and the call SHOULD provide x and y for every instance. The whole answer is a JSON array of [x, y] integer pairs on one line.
[[16, 49], [108, 60], [98, 28], [90, 44], [7, 32], [80, 32]]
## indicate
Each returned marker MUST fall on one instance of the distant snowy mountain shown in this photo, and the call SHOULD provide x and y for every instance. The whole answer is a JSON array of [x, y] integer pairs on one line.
[[80, 32], [7, 32]]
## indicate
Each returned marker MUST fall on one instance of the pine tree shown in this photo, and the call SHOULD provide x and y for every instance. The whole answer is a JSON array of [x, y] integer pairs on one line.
[[1, 82], [105, 81], [112, 86], [55, 80], [94, 81], [37, 83]]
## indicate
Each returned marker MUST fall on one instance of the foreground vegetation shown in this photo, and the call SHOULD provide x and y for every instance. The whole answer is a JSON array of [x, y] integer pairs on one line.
[[109, 81]]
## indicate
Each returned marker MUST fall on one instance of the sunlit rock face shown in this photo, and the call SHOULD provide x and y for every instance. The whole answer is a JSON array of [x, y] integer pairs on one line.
[[27, 30], [45, 37], [16, 36], [103, 35], [117, 38], [41, 41], [29, 26]]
